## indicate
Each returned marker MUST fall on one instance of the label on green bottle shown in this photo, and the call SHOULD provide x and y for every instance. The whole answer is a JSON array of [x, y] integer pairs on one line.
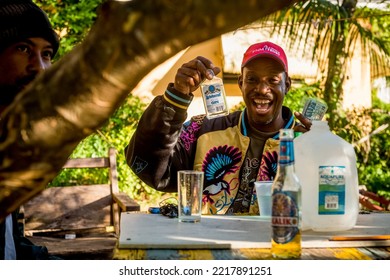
[[285, 216], [331, 199]]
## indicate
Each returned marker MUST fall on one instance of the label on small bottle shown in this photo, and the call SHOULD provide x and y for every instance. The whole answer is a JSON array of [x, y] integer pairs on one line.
[[214, 99], [331, 198], [285, 216]]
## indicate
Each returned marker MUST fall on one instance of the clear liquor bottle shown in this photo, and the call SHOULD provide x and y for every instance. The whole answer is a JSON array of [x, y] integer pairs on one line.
[[286, 203], [214, 98]]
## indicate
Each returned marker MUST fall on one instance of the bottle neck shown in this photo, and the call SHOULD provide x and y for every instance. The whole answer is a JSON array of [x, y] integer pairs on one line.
[[286, 170], [319, 125], [286, 156]]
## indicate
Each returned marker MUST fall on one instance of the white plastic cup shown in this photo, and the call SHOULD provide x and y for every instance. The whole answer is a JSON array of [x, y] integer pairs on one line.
[[263, 193], [190, 189]]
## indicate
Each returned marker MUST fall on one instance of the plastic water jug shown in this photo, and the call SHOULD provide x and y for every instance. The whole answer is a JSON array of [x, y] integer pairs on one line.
[[326, 167]]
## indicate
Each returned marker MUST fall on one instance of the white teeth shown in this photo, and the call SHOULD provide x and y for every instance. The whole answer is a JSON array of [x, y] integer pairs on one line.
[[261, 101]]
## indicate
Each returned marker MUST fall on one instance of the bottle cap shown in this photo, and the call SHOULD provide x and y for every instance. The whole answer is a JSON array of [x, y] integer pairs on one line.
[[154, 210], [210, 74]]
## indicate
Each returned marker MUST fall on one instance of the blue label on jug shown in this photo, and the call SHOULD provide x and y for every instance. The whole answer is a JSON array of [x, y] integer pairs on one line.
[[331, 199]]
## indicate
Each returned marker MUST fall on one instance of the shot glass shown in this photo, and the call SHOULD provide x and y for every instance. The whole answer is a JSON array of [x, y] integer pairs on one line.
[[190, 189]]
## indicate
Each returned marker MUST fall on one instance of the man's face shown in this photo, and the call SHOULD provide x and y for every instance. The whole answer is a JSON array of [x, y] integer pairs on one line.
[[263, 84], [20, 63]]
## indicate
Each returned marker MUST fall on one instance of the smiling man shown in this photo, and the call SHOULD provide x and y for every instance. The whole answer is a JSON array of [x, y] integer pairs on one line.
[[233, 151]]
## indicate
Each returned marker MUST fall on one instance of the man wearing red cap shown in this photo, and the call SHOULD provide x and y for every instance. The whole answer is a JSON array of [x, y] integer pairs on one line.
[[233, 151]]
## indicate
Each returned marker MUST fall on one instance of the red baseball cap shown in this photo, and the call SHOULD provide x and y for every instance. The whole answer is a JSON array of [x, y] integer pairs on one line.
[[265, 49]]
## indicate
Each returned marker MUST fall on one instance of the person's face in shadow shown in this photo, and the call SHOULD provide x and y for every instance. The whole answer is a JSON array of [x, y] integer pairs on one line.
[[20, 63]]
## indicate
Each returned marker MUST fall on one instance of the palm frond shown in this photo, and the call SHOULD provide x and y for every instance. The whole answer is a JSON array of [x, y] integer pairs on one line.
[[315, 24]]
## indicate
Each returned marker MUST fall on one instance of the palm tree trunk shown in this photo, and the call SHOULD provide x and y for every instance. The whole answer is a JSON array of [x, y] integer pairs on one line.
[[337, 54]]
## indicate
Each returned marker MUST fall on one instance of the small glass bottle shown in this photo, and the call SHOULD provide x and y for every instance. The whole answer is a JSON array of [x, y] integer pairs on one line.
[[214, 98], [286, 203]]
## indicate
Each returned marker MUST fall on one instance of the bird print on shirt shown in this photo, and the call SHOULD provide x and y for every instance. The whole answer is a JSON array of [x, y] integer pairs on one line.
[[219, 161]]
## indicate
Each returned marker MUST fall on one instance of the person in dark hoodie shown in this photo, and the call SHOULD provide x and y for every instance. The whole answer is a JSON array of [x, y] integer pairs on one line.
[[27, 45]]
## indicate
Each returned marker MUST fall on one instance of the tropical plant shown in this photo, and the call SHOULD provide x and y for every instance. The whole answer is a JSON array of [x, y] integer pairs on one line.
[[332, 29], [72, 20]]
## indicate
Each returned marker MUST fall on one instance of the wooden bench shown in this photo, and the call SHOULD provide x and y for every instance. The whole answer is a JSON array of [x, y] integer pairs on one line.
[[79, 222], [371, 201]]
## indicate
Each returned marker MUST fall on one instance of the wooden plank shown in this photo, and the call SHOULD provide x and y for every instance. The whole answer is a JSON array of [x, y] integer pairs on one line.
[[125, 202], [249, 254], [69, 208], [196, 254], [318, 254], [349, 254], [113, 172], [376, 253], [87, 163], [129, 254], [89, 212], [256, 254], [80, 248]]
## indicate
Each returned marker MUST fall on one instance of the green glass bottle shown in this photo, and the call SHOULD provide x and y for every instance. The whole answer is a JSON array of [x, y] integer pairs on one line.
[[286, 203]]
